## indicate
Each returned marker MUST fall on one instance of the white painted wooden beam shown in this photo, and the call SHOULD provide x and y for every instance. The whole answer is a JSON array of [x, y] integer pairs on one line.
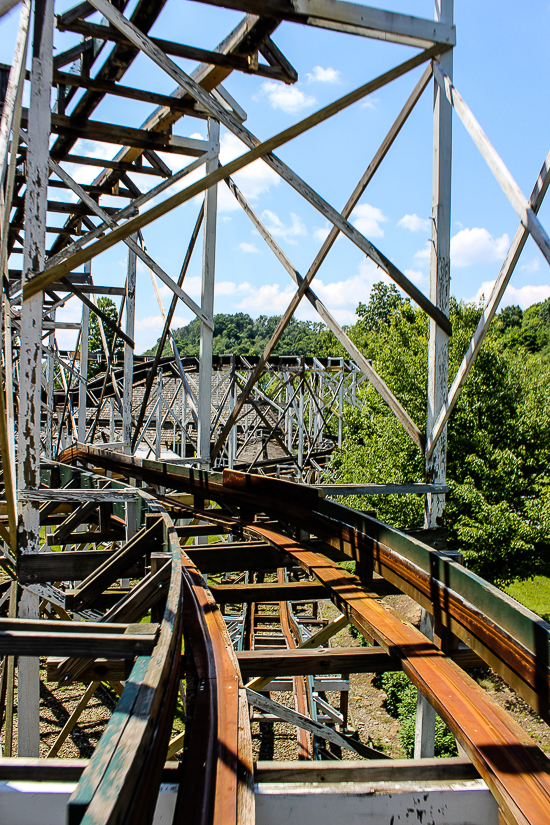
[[495, 163], [491, 306]]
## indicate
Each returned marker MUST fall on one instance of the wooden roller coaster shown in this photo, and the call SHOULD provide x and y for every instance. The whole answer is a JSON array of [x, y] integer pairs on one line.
[[271, 524], [138, 558]]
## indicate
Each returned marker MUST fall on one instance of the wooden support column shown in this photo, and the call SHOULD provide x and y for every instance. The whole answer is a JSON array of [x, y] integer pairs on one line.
[[31, 352], [207, 305], [128, 351], [83, 368], [438, 353]]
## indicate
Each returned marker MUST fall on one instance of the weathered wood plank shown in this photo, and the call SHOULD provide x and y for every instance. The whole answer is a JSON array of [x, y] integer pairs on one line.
[[229, 61], [267, 592], [300, 662], [99, 670], [110, 645], [350, 17], [147, 540], [396, 770], [68, 566]]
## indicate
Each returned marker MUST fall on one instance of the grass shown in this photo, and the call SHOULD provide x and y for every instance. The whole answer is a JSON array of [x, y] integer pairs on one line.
[[534, 594]]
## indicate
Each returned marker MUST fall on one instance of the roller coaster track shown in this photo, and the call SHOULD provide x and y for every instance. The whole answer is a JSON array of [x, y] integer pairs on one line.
[[121, 780]]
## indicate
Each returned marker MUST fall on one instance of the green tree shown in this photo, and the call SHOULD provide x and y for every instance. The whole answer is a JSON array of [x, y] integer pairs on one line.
[[108, 307], [239, 334], [498, 507]]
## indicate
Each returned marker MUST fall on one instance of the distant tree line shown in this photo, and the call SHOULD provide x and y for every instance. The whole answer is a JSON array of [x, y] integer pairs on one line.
[[239, 334]]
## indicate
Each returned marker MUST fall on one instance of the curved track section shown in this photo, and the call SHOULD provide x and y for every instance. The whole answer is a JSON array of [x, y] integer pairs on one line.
[[510, 638]]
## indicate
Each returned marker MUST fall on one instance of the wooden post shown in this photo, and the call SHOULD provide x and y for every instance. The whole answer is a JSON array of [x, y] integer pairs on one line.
[[31, 352], [84, 345], [438, 353], [128, 351], [207, 306]]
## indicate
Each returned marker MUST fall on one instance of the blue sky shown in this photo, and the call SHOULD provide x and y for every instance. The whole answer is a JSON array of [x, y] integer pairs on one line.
[[501, 70]]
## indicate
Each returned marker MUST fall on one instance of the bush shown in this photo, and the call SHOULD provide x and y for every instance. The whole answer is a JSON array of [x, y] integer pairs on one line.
[[401, 704]]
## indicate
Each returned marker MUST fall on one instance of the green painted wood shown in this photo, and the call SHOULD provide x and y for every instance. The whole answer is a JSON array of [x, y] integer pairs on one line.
[[103, 755], [525, 626]]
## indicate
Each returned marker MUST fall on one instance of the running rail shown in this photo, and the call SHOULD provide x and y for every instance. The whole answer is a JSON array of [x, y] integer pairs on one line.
[[507, 636]]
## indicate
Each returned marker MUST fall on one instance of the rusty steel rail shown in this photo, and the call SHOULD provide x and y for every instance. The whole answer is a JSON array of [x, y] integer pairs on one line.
[[515, 770]]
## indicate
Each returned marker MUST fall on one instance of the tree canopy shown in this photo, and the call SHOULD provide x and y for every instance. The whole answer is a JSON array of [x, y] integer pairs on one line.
[[498, 507], [239, 334]]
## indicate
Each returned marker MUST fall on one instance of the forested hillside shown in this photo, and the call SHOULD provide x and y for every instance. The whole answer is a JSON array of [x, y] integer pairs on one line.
[[239, 334]]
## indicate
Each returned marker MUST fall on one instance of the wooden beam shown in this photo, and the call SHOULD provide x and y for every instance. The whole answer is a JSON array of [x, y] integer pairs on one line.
[[351, 18], [267, 592], [69, 566], [300, 662], [190, 530], [91, 537], [100, 670], [121, 560], [126, 136], [112, 646], [495, 163], [110, 88], [398, 770], [228, 61]]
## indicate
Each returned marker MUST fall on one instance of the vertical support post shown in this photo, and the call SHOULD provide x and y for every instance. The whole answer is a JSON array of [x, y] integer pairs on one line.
[[84, 348], [111, 419], [438, 353], [341, 404], [128, 351], [232, 439], [288, 413], [31, 353], [207, 305], [183, 420], [49, 390], [301, 412], [158, 432]]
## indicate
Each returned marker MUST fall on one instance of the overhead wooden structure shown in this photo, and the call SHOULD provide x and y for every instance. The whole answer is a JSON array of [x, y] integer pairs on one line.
[[121, 521]]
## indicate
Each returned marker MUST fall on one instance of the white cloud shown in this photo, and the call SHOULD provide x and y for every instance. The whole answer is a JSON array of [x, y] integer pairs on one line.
[[367, 220], [287, 98], [320, 75], [414, 223], [149, 327], [424, 253], [279, 230], [477, 246], [525, 295], [532, 266], [250, 248], [254, 180], [370, 103], [415, 275], [89, 148], [269, 298], [320, 233], [226, 288]]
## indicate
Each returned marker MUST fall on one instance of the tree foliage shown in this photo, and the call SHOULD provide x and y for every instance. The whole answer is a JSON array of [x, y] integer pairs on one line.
[[498, 507], [239, 334], [108, 307]]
